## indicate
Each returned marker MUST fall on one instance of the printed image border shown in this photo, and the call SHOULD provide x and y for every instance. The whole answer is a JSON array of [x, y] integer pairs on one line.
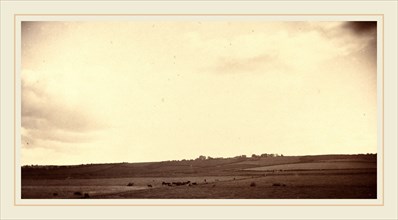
[[15, 65]]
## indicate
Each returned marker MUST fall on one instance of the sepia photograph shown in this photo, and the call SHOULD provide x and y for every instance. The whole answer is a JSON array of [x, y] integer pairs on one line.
[[199, 109]]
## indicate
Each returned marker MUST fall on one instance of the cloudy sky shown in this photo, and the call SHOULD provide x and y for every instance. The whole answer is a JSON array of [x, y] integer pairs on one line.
[[95, 92]]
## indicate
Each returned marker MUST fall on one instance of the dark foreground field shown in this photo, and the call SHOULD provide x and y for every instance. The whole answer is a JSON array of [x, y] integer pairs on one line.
[[300, 177]]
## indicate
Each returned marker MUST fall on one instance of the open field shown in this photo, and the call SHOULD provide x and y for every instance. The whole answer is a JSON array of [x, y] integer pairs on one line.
[[300, 177], [343, 165]]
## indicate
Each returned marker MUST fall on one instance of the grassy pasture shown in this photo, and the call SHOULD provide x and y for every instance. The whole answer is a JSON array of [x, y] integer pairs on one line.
[[296, 187], [338, 165], [315, 177], [33, 188], [68, 192]]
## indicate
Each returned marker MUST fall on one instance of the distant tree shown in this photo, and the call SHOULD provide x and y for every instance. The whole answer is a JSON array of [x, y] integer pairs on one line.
[[201, 157], [209, 158], [254, 155]]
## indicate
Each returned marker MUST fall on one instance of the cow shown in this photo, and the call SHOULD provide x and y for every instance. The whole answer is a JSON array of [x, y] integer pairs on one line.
[[166, 184]]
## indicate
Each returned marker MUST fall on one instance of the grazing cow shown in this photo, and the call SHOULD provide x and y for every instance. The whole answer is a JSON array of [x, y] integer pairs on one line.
[[149, 185], [166, 184], [194, 183]]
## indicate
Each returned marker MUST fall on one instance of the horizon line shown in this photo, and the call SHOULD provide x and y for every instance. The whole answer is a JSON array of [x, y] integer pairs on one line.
[[212, 158]]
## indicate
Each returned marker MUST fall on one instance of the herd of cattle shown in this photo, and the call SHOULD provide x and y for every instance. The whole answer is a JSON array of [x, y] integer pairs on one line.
[[189, 183]]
